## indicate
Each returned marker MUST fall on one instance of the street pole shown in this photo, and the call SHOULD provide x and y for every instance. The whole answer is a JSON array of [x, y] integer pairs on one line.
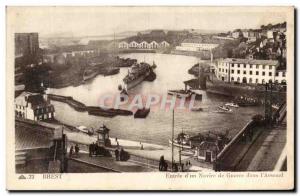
[[172, 141]]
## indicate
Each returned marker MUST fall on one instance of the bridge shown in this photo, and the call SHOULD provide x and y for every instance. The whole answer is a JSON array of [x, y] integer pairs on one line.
[[256, 148]]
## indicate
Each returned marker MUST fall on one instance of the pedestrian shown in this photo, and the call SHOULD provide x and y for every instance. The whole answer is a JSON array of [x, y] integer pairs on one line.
[[76, 149], [117, 155], [165, 166], [93, 148], [90, 150], [71, 151], [161, 164], [122, 154], [175, 167]]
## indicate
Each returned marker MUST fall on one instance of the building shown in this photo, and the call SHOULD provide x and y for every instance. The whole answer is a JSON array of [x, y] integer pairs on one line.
[[144, 44], [39, 147], [33, 106], [26, 45], [207, 151], [196, 45], [123, 45], [250, 71], [235, 34]]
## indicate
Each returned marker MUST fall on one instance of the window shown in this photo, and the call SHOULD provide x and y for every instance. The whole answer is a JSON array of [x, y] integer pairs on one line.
[[263, 67], [219, 69], [226, 70], [245, 72], [244, 65], [257, 66], [250, 66], [263, 73], [238, 71], [256, 80], [222, 70], [283, 74], [257, 73], [270, 67], [270, 73], [232, 71], [250, 72], [238, 65], [276, 74], [232, 65], [232, 79]]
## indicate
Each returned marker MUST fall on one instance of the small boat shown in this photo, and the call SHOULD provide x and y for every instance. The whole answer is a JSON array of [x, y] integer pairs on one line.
[[197, 109], [232, 105], [85, 130], [180, 145], [142, 113], [180, 93], [244, 101], [182, 141], [225, 108], [222, 111]]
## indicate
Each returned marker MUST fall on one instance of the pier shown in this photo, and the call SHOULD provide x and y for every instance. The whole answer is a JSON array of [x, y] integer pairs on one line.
[[92, 110]]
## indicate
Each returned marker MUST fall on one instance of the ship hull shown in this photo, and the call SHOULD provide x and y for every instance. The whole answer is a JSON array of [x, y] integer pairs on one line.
[[135, 82]]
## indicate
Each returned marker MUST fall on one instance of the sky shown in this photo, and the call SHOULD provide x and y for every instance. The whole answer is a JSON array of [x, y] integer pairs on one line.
[[88, 21]]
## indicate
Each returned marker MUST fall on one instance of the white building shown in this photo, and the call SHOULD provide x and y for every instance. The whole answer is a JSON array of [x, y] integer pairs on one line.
[[143, 44], [33, 106], [235, 34], [196, 46], [123, 45], [249, 71]]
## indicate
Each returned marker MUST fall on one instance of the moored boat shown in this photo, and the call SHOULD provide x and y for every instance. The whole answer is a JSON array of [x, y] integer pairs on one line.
[[225, 108], [142, 113], [180, 93], [197, 109], [85, 130], [137, 74], [232, 105]]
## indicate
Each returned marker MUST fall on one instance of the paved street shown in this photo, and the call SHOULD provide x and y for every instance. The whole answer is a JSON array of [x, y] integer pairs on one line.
[[109, 163]]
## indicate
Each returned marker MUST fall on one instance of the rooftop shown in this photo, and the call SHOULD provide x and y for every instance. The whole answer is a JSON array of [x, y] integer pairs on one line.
[[251, 61], [32, 134]]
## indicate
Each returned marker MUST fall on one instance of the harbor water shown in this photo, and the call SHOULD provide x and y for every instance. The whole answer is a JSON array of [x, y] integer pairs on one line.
[[171, 71]]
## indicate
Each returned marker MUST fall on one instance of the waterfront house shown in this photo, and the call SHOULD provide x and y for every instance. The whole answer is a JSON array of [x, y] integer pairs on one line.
[[33, 106], [250, 71], [207, 151]]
